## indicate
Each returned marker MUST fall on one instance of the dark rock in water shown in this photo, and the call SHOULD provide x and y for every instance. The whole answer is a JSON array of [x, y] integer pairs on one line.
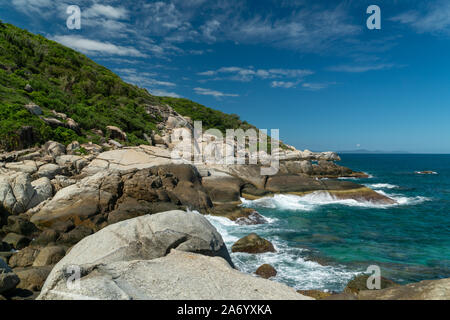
[[316, 294], [322, 260], [32, 278], [253, 244], [293, 183], [23, 258], [302, 185], [251, 219], [425, 172], [360, 283], [17, 241], [240, 215], [266, 271]]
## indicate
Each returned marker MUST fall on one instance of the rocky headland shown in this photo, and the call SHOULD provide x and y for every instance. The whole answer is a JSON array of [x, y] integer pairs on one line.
[[89, 179], [110, 211]]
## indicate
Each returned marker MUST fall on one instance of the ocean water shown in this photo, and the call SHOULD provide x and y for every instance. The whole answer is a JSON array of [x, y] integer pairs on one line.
[[322, 243]]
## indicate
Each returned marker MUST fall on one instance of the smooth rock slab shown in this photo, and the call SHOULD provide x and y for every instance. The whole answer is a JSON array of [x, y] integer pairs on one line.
[[179, 275], [128, 159], [148, 237]]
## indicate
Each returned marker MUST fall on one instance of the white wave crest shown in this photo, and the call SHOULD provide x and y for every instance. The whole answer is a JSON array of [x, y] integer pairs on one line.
[[310, 201], [307, 202], [292, 268], [403, 200], [382, 186]]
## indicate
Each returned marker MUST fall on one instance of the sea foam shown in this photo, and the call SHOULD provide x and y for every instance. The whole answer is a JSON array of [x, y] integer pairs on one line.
[[382, 186], [292, 267]]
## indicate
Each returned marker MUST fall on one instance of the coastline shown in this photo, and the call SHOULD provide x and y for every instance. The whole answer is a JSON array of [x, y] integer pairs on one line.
[[75, 211]]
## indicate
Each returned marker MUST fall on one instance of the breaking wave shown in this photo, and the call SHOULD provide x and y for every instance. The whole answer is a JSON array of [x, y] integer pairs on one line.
[[290, 262], [382, 186]]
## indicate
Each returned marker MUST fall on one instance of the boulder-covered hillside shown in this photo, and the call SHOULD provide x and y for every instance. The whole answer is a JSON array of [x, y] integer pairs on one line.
[[51, 92]]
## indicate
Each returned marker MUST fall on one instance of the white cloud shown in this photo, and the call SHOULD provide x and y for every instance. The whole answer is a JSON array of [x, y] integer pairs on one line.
[[95, 47], [209, 28], [160, 18], [306, 28], [316, 86], [361, 68], [163, 93], [214, 93], [146, 80], [33, 6], [248, 74], [434, 18], [142, 78], [309, 29], [107, 11], [283, 84]]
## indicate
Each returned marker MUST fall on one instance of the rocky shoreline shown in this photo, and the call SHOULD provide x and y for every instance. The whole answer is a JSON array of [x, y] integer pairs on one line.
[[55, 201]]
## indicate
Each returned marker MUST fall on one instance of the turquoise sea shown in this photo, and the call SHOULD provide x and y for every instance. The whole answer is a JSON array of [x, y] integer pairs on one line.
[[322, 242]]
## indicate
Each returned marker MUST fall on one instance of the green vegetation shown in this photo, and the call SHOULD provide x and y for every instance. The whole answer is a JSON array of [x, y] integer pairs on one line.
[[65, 81], [68, 82], [210, 118]]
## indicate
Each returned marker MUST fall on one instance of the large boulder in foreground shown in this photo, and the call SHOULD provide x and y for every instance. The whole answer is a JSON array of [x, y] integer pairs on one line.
[[131, 260], [177, 276], [253, 244], [423, 290], [148, 237]]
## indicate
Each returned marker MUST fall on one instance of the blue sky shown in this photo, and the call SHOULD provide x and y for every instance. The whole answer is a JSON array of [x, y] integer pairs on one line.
[[310, 68]]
